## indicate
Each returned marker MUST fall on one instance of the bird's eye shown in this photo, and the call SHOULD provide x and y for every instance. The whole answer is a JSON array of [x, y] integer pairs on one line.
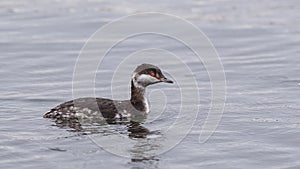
[[152, 74]]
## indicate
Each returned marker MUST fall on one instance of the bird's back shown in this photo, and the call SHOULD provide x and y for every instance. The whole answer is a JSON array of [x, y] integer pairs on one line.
[[84, 108]]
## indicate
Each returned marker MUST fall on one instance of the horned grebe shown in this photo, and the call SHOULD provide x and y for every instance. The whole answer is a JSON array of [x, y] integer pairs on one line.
[[143, 76]]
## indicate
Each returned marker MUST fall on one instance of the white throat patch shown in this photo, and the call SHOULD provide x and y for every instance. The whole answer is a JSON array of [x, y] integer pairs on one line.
[[144, 79], [146, 105]]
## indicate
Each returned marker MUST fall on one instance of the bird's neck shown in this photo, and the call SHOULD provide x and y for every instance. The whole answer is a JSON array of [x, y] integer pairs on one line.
[[138, 99]]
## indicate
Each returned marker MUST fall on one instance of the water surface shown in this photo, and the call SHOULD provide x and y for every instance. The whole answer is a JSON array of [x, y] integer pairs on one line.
[[258, 46]]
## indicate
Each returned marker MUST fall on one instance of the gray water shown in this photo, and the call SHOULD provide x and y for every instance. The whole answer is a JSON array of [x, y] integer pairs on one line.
[[258, 43]]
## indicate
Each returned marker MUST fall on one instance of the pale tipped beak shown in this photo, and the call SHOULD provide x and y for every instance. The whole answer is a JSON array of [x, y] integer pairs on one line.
[[166, 80]]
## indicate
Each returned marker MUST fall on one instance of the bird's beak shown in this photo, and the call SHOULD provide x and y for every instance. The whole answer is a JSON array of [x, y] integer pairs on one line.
[[166, 80]]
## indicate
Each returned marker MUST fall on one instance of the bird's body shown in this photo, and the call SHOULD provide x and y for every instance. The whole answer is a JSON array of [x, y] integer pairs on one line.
[[96, 108]]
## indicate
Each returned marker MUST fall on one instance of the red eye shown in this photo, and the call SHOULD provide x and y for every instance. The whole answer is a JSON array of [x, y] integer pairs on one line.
[[152, 74]]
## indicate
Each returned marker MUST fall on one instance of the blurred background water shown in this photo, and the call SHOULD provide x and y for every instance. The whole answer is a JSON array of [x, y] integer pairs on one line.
[[258, 43]]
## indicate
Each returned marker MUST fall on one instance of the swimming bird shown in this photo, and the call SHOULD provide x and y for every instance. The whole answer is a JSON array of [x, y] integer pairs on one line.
[[143, 76]]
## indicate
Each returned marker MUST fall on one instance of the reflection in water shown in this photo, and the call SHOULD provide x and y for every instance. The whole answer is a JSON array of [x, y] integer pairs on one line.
[[135, 130], [146, 162], [140, 151]]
